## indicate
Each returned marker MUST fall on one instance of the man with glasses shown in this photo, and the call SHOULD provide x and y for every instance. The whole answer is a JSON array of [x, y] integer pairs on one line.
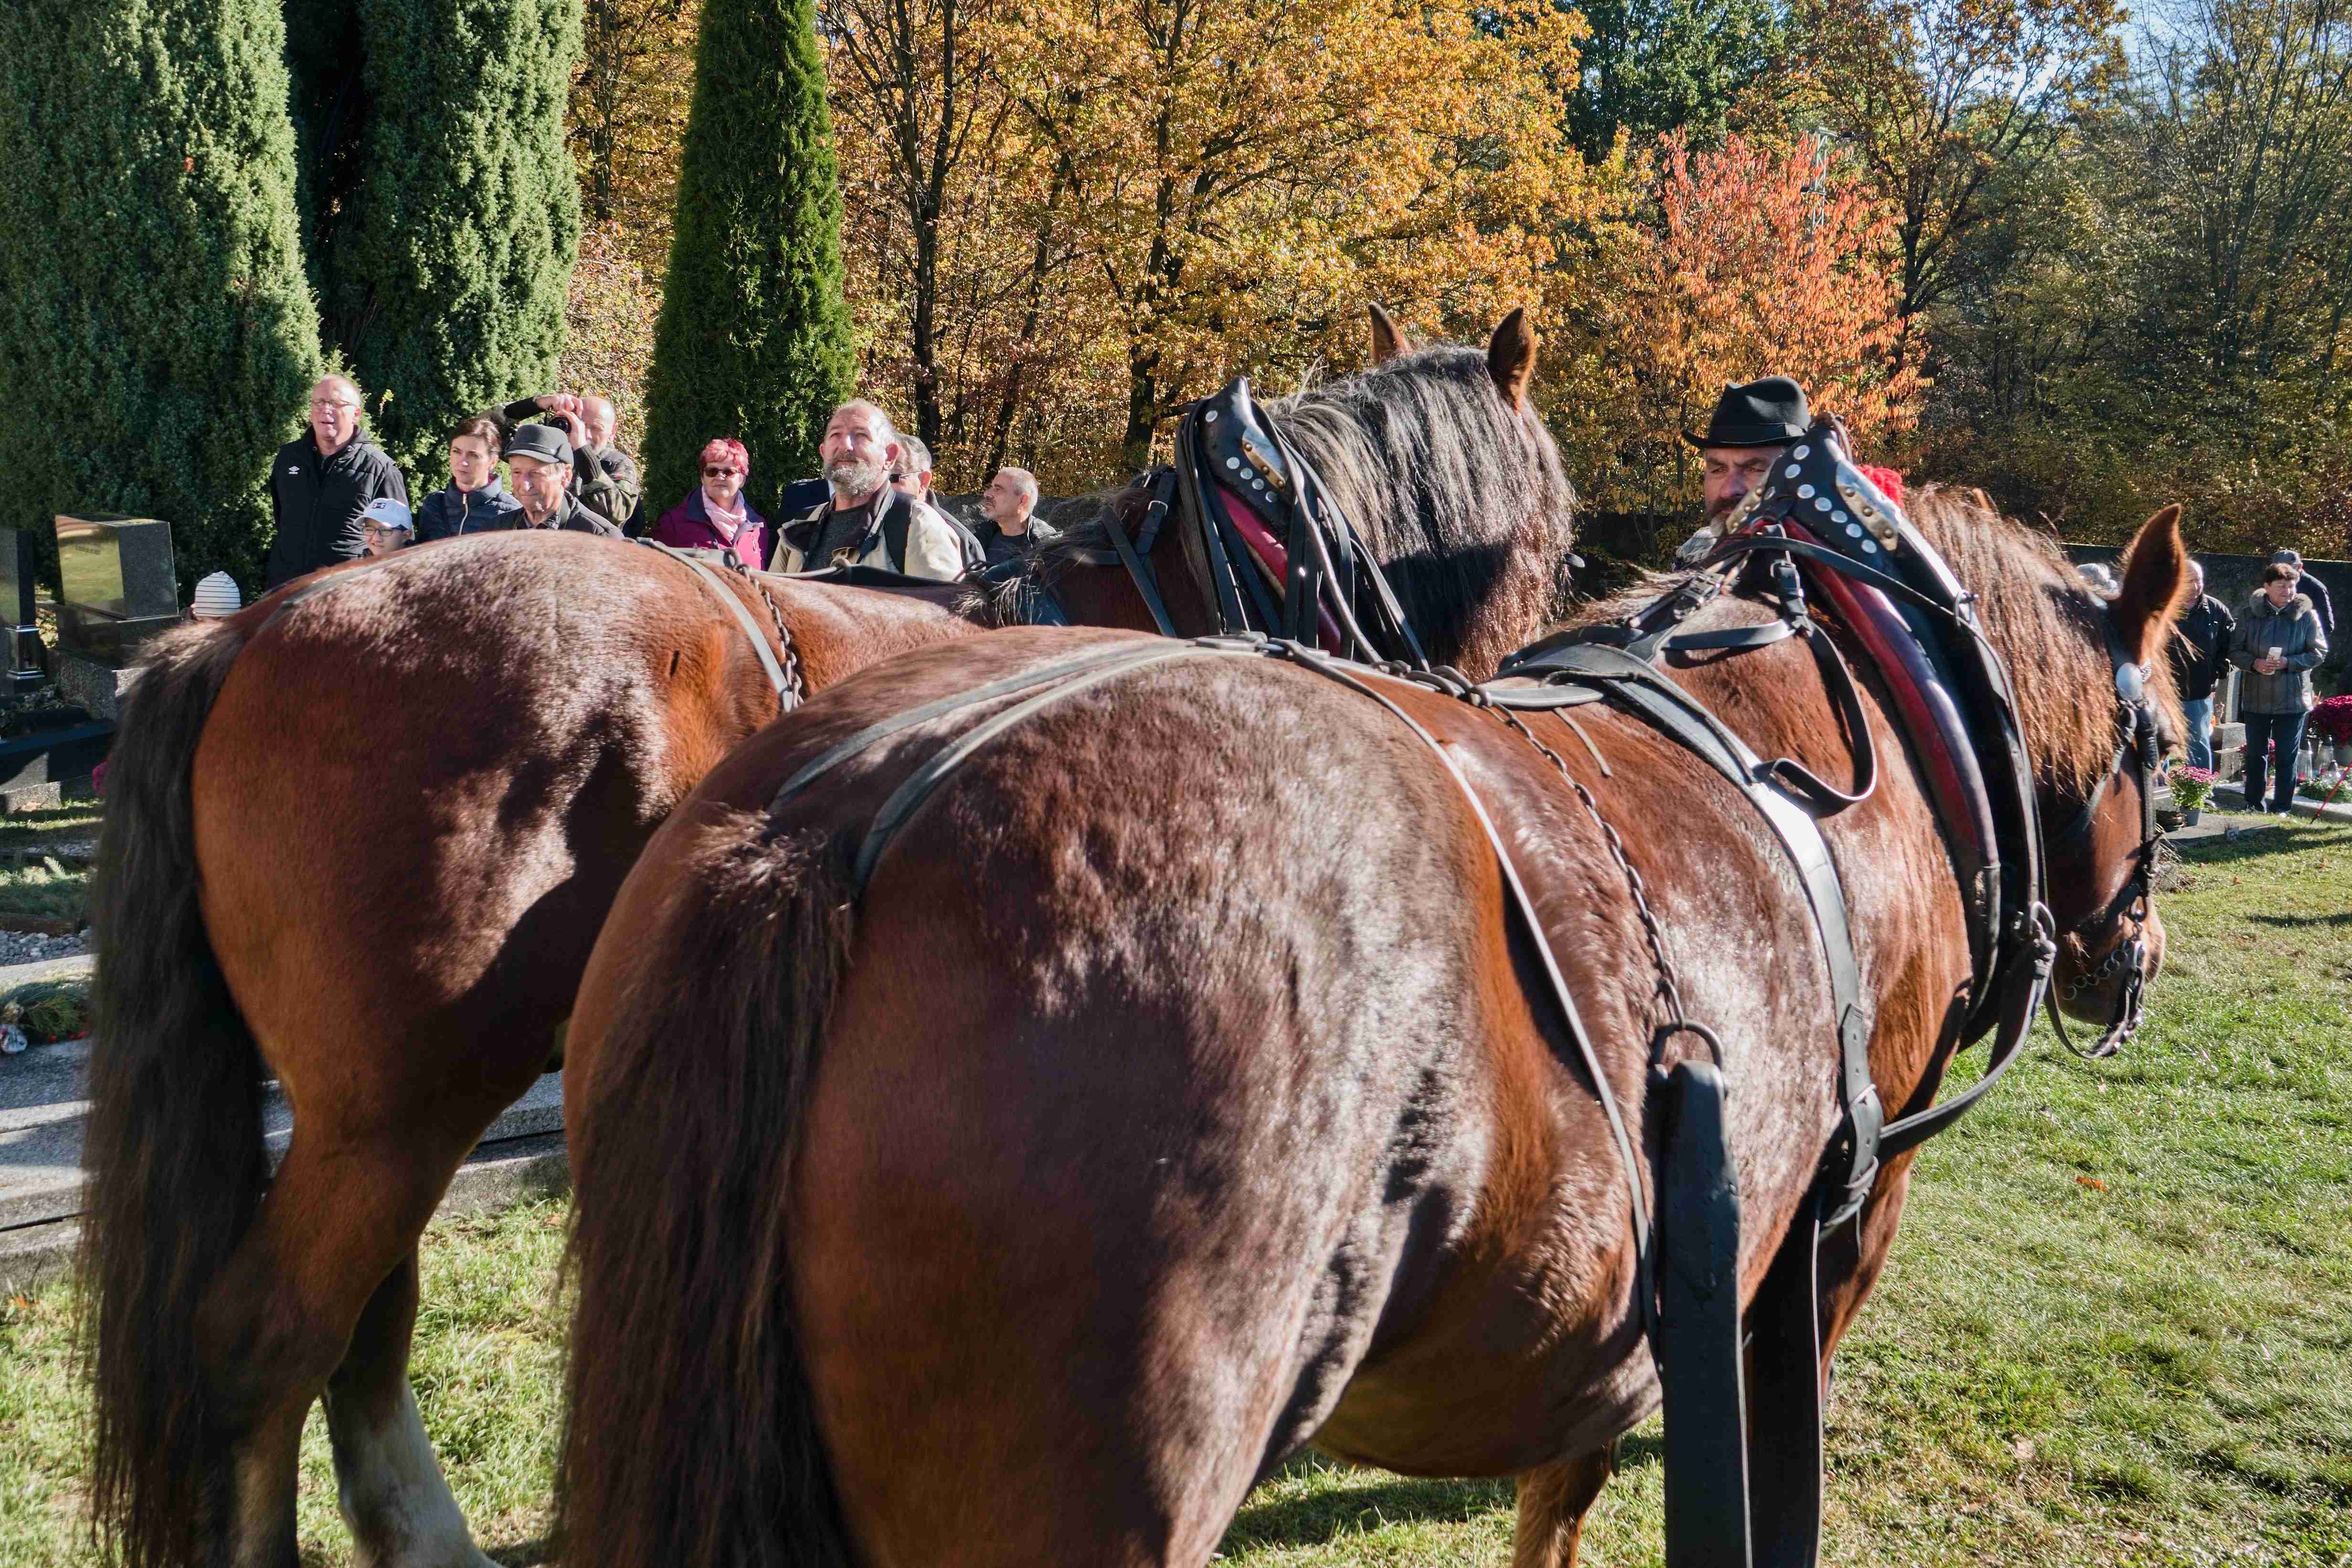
[[320, 486], [912, 477]]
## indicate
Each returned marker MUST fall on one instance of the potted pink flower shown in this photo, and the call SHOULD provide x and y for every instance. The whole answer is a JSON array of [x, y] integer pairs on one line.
[[2333, 719], [2191, 788]]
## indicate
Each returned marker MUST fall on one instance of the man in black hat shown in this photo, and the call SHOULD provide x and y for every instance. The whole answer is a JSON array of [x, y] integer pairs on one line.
[[1752, 424], [538, 461]]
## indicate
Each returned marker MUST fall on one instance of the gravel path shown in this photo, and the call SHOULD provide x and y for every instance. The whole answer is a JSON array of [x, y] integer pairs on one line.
[[24, 947]]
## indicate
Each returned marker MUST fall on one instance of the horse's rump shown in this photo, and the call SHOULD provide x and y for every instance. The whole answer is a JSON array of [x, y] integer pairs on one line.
[[1185, 1053]]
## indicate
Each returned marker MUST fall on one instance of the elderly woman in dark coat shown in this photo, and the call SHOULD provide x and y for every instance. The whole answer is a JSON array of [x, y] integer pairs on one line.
[[2277, 643], [715, 515]]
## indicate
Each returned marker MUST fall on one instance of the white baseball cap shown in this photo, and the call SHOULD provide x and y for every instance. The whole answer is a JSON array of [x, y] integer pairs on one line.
[[386, 512], [216, 596]]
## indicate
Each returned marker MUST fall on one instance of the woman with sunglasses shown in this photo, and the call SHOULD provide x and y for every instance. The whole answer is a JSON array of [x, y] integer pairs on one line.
[[715, 515]]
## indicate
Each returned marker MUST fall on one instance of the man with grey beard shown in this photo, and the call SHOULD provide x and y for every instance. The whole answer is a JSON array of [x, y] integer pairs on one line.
[[866, 520]]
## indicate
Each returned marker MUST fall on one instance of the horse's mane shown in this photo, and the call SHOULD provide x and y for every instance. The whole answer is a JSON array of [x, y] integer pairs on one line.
[[2036, 609], [1464, 502]]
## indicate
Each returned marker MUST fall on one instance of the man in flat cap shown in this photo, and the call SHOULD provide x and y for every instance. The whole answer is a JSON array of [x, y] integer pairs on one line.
[[1753, 424], [538, 461]]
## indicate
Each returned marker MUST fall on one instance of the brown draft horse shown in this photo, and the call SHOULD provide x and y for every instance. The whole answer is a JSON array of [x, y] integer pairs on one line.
[[365, 846], [1176, 1092]]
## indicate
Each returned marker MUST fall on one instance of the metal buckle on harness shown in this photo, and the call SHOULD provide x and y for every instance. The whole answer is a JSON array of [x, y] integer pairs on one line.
[[1850, 1168]]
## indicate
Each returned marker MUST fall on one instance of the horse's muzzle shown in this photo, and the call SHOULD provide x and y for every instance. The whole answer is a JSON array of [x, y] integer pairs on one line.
[[2111, 991]]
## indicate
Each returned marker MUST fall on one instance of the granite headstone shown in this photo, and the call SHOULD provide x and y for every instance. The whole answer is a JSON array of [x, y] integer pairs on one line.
[[119, 586], [27, 667]]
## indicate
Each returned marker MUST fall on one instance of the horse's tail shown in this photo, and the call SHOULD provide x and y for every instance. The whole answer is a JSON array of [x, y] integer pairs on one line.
[[173, 1151], [690, 1435]]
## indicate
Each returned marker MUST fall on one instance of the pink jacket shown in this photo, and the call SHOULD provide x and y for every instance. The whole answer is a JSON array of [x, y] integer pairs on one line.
[[686, 526]]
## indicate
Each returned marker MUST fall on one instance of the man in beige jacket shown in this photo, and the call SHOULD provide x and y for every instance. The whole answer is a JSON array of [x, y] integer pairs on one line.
[[866, 522]]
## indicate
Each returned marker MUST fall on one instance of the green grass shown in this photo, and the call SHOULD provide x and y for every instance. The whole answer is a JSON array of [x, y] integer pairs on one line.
[[2116, 1329], [59, 893]]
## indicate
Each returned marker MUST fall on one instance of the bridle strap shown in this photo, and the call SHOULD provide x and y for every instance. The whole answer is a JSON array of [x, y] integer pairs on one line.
[[1138, 561]]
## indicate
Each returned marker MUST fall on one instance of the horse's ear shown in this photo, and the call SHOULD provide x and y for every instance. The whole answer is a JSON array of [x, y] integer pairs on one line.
[[1388, 338], [2156, 581], [1511, 358]]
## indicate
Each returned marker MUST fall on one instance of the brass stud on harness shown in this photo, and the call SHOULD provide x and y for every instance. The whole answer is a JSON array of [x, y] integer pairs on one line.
[[1879, 524]]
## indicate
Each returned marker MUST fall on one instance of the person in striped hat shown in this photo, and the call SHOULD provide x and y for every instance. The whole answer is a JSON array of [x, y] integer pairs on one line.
[[216, 598]]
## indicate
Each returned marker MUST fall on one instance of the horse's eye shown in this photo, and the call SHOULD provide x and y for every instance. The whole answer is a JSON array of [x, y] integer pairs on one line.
[[2131, 682]]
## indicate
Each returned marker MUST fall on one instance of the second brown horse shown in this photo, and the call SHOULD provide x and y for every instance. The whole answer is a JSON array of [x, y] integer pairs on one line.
[[1017, 1180]]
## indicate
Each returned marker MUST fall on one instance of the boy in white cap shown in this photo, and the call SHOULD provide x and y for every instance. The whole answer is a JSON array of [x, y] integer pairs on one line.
[[386, 526]]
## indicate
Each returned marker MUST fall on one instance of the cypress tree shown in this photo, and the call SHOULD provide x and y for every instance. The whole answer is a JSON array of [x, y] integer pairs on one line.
[[156, 338], [444, 212], [753, 340]]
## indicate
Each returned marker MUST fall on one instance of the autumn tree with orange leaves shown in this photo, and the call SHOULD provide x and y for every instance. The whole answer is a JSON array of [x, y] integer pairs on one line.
[[1065, 218], [1238, 176], [1760, 262]]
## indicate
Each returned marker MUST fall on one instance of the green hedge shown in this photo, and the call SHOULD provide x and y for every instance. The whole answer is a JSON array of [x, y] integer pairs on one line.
[[441, 209], [754, 336], [156, 338]]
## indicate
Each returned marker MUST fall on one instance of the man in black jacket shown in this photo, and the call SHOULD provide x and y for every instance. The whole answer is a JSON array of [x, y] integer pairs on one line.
[[2199, 652], [538, 461], [1010, 505], [319, 484]]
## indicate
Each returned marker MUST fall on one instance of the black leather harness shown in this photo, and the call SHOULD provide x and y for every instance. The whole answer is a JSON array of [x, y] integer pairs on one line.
[[1236, 476], [1739, 1491]]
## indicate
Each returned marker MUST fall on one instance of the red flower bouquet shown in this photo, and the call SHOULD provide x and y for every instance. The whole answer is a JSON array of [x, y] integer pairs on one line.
[[2332, 719]]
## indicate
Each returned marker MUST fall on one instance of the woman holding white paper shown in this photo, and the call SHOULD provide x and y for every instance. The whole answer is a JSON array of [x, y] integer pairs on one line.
[[2277, 642]]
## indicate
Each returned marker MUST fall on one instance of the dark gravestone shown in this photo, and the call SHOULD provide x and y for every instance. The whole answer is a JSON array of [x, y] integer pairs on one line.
[[27, 667], [119, 591], [119, 586]]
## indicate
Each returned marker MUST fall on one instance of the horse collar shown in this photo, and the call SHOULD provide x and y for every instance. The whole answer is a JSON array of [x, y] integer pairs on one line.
[[1275, 553]]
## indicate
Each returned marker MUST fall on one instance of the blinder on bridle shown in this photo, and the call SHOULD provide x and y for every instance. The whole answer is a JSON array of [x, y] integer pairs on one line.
[[2138, 748]]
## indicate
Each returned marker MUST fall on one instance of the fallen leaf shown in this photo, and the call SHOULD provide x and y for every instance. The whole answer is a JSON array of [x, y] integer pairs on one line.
[[2023, 1448], [2091, 1181]]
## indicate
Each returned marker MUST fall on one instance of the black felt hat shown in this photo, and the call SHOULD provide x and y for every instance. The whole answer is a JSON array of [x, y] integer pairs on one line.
[[544, 442], [1767, 412]]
